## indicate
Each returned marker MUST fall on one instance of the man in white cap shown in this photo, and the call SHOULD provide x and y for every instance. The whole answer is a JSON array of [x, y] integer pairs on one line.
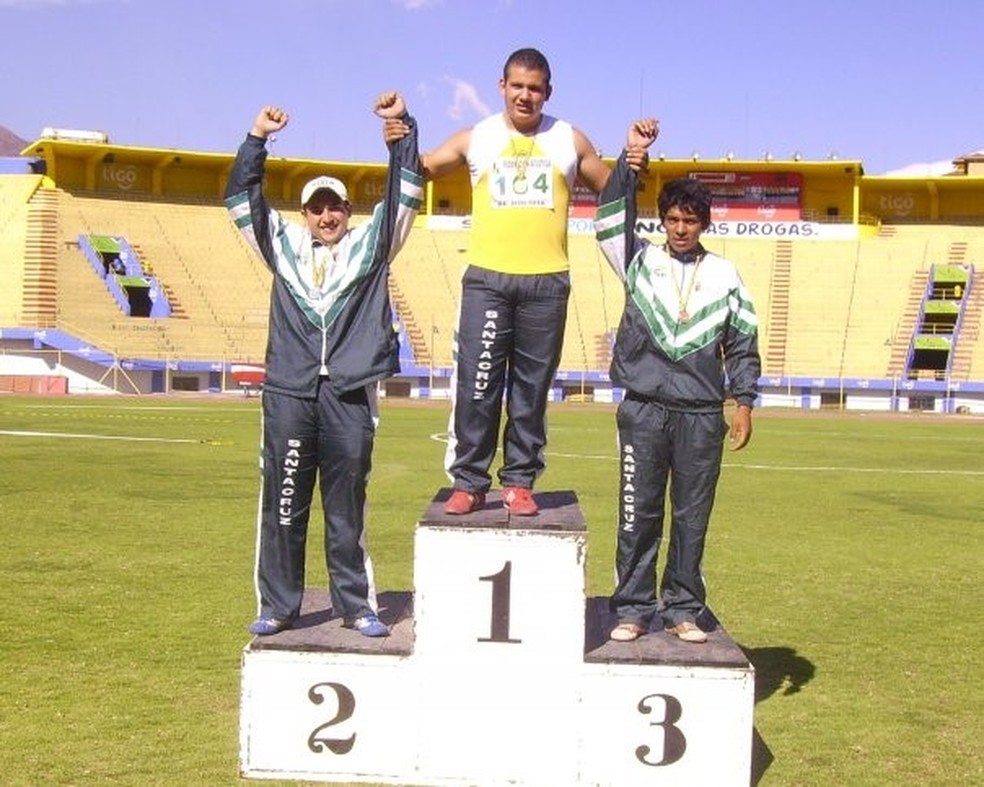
[[326, 209], [331, 339]]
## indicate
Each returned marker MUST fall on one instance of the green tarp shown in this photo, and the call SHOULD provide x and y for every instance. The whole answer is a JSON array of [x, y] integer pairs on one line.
[[132, 281], [104, 244]]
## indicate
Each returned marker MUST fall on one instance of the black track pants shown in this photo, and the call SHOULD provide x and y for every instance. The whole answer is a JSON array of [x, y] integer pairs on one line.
[[328, 439], [657, 447], [510, 336]]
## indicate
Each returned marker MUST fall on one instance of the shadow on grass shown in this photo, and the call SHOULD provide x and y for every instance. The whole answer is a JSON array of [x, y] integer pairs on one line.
[[777, 670]]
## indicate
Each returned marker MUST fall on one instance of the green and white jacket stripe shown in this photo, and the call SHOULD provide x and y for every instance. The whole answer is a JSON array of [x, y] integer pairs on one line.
[[682, 364], [345, 325]]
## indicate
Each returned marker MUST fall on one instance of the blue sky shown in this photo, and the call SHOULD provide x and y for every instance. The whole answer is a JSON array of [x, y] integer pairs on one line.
[[888, 82]]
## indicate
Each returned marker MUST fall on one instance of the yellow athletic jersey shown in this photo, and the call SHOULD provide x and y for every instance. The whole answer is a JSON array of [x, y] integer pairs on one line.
[[521, 187]]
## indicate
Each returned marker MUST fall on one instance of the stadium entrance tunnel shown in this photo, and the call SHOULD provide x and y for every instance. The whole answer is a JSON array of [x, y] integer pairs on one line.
[[929, 363], [137, 291]]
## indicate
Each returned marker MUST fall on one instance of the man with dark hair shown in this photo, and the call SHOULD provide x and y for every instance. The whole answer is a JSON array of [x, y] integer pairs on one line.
[[513, 309], [331, 340], [688, 330], [689, 196], [530, 59]]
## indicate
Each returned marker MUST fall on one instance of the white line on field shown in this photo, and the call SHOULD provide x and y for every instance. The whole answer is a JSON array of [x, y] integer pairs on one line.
[[126, 438], [131, 408], [440, 437], [835, 469]]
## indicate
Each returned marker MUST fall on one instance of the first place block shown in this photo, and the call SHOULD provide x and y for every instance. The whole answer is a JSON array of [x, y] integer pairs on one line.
[[499, 613]]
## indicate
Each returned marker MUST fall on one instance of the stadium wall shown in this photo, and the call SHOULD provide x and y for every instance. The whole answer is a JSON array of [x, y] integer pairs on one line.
[[34, 355]]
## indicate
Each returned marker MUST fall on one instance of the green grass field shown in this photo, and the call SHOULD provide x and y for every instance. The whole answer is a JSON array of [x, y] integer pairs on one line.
[[844, 556]]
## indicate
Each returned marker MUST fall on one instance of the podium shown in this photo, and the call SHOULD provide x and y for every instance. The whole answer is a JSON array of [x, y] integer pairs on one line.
[[498, 671]]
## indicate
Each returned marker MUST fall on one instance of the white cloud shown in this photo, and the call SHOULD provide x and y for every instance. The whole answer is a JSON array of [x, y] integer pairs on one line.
[[922, 170], [465, 97]]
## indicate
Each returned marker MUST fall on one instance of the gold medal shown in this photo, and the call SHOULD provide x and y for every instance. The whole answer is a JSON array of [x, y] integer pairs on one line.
[[683, 298], [521, 158], [319, 265]]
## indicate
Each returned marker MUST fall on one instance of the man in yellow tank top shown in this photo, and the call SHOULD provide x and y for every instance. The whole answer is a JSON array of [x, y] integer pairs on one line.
[[523, 165]]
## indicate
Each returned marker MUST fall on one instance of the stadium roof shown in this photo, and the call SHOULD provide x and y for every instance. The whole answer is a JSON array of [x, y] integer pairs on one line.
[[293, 172]]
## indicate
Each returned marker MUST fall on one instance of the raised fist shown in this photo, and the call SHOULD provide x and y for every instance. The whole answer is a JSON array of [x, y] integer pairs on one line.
[[389, 105], [269, 120], [642, 133]]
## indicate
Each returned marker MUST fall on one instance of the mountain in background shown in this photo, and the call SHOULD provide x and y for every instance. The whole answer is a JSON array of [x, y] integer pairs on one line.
[[10, 143]]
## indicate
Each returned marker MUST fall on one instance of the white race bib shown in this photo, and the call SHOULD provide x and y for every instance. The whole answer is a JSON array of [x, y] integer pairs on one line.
[[521, 183]]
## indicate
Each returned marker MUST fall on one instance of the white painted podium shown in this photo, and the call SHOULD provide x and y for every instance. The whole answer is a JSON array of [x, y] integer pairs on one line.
[[498, 671]]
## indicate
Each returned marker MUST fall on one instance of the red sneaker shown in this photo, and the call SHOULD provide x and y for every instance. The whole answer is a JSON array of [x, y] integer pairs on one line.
[[519, 500], [462, 502]]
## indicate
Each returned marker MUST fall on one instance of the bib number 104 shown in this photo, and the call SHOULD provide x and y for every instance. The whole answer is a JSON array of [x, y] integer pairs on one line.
[[510, 185]]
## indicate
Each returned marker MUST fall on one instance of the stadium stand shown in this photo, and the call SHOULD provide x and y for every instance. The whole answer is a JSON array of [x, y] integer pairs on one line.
[[425, 283], [890, 280], [39, 280], [821, 286], [15, 193], [205, 267], [841, 299], [969, 362], [833, 307], [764, 267], [595, 308]]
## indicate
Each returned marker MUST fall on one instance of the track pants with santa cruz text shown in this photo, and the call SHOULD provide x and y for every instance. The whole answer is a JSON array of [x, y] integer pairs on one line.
[[327, 439], [657, 447], [509, 341]]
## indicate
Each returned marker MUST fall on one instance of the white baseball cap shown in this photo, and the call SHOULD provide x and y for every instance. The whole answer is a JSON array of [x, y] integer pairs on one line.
[[323, 182]]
